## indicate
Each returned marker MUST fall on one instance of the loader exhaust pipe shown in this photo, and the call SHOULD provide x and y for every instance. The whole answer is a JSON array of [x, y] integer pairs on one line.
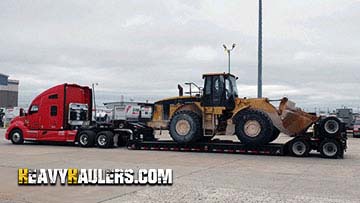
[[181, 90]]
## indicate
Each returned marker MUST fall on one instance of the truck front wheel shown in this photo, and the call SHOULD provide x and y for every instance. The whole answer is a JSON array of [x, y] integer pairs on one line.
[[87, 138], [16, 136], [105, 139]]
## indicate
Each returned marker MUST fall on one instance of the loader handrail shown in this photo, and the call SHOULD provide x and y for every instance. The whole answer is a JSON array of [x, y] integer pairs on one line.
[[190, 92]]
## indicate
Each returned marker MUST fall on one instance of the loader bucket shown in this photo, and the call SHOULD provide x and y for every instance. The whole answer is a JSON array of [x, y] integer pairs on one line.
[[294, 121]]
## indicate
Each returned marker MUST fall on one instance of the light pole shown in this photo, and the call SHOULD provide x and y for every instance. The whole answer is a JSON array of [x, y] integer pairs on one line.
[[228, 52], [260, 52]]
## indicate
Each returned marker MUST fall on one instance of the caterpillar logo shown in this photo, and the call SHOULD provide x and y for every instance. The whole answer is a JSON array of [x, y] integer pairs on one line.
[[74, 176]]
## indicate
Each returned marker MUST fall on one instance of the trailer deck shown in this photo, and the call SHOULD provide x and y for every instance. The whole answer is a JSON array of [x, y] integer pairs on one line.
[[216, 146]]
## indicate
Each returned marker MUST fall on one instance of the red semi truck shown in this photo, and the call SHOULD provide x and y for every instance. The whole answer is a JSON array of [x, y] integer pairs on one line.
[[63, 114], [54, 115]]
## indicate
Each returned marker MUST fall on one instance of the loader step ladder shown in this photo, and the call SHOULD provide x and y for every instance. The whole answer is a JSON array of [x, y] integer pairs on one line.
[[208, 117]]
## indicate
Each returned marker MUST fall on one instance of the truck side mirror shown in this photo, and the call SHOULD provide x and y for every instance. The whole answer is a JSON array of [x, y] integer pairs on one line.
[[22, 113]]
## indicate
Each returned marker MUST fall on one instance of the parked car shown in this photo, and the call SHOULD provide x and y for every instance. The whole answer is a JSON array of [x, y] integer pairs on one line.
[[357, 128]]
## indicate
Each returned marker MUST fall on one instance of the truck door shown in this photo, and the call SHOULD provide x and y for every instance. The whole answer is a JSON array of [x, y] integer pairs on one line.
[[51, 118], [33, 117]]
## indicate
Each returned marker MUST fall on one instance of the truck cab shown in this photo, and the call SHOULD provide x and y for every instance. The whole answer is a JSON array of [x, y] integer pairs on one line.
[[54, 115]]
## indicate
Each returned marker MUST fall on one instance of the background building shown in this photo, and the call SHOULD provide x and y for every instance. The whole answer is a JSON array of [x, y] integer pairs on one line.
[[9, 91]]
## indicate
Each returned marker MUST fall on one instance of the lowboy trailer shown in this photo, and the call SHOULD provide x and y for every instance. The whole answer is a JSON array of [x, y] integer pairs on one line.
[[300, 146]]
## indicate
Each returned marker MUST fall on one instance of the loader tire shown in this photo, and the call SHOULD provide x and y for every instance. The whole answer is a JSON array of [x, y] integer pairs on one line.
[[253, 127], [87, 138], [275, 134], [105, 139], [185, 127]]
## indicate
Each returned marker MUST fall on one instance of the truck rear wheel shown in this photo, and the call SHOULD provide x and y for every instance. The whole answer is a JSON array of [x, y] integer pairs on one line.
[[104, 139], [87, 138], [185, 127], [253, 127], [330, 148], [16, 137], [299, 147]]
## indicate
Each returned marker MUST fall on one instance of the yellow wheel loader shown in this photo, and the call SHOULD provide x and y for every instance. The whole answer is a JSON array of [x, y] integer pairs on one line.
[[216, 109]]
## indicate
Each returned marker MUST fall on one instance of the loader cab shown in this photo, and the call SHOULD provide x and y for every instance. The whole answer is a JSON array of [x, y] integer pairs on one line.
[[219, 90]]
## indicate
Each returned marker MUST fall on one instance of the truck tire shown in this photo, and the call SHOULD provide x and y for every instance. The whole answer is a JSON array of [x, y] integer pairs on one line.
[[105, 139], [123, 139], [330, 127], [275, 134], [330, 148], [299, 147], [185, 127], [16, 137], [87, 138], [253, 127]]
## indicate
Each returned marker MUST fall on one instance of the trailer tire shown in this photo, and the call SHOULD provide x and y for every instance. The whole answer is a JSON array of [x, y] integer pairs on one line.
[[185, 127], [16, 136], [253, 127], [105, 139], [330, 127], [330, 148], [299, 147], [87, 138]]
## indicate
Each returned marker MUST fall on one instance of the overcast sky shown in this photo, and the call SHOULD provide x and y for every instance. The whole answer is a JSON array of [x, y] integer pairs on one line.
[[143, 49]]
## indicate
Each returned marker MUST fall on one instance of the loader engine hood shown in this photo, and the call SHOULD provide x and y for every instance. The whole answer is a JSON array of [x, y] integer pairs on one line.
[[287, 117]]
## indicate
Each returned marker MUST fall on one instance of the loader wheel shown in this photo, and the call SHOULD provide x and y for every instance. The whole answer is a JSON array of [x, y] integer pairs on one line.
[[253, 127], [275, 134], [330, 126], [185, 127], [16, 137], [105, 139], [87, 138], [299, 147], [330, 148]]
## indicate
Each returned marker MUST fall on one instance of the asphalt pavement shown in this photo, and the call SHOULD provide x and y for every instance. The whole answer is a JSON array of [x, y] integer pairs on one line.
[[198, 177]]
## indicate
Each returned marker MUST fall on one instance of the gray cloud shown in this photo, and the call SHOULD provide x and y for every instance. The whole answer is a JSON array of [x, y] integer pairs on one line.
[[143, 49]]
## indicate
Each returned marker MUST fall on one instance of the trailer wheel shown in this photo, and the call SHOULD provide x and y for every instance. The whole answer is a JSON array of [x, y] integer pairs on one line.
[[330, 148], [299, 147], [105, 139], [16, 137], [330, 126], [185, 127], [253, 127], [87, 138]]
